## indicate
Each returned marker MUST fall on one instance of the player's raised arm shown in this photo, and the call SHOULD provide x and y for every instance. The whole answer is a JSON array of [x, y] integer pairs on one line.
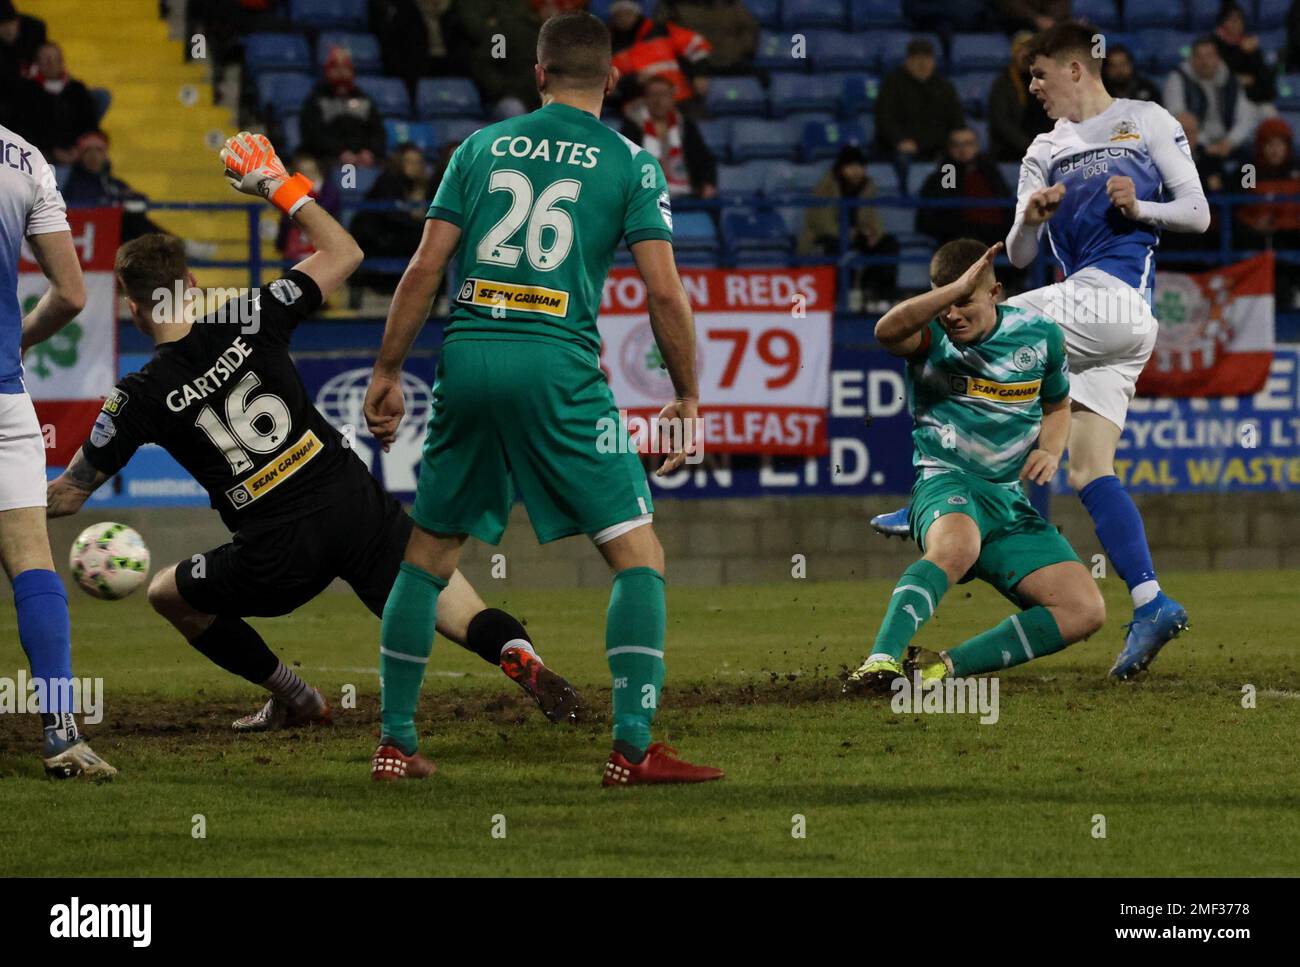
[[900, 329], [674, 330], [1036, 204], [407, 314], [253, 168], [1188, 211]]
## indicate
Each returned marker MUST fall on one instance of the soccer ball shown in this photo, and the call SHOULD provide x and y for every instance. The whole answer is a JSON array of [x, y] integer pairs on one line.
[[109, 561]]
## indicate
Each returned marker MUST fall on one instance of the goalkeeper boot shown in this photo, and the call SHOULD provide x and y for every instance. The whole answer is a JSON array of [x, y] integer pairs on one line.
[[659, 765], [558, 700], [875, 676], [893, 524], [930, 665], [75, 759], [1154, 625], [278, 714], [389, 763]]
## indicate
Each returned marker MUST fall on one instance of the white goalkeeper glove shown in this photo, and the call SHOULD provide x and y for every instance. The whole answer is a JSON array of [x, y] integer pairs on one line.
[[253, 168]]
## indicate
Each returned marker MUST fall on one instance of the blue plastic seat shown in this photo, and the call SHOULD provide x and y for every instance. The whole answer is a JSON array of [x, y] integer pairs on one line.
[[290, 135], [389, 95], [456, 130], [329, 14], [1099, 13], [717, 135], [973, 89], [1010, 171], [276, 52], [858, 93], [736, 95], [1203, 13], [746, 179], [1155, 13], [422, 134], [979, 52], [752, 138], [281, 94], [864, 14], [364, 48], [447, 97], [884, 176], [694, 232], [1269, 15], [747, 230], [806, 14], [834, 50], [766, 12], [825, 140], [1168, 48], [784, 178], [775, 52], [798, 92]]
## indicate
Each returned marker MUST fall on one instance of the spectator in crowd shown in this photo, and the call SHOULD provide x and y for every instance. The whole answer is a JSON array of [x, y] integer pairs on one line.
[[917, 107], [730, 29], [965, 172], [495, 43], [643, 47], [1015, 116], [1122, 78], [441, 63], [848, 178], [20, 37], [654, 123], [340, 122], [1275, 224], [90, 181], [403, 39], [55, 109], [224, 24], [1292, 52], [291, 241], [1032, 15], [1208, 167], [1241, 53], [1204, 86], [407, 185]]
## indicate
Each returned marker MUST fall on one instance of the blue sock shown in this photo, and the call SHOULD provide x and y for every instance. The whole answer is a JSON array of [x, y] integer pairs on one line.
[[1119, 528], [46, 633]]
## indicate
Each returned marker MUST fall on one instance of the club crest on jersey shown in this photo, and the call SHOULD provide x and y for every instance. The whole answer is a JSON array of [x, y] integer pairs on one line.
[[114, 402], [666, 209], [957, 500], [1025, 358], [1125, 131], [286, 291], [103, 430]]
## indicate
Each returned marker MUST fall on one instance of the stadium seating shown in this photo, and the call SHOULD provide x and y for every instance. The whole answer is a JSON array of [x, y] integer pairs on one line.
[[810, 14], [282, 94], [798, 179], [866, 14], [422, 134], [1102, 13], [1203, 13], [736, 95], [973, 90], [1167, 48], [1010, 173], [766, 12], [1288, 92], [1269, 15], [858, 93], [276, 52], [389, 94], [456, 130], [364, 48], [793, 92], [747, 231], [447, 97], [746, 179], [822, 141], [695, 232], [329, 14], [774, 53], [979, 52], [717, 135], [754, 138], [1155, 13], [891, 46], [833, 50], [916, 175], [885, 177]]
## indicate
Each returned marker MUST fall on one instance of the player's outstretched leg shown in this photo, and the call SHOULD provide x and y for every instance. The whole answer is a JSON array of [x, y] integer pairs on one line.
[[45, 632], [232, 644], [1157, 618], [634, 647], [1066, 607], [952, 546]]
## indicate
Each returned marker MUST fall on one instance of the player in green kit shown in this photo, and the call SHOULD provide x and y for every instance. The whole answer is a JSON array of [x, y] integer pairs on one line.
[[988, 387], [532, 209]]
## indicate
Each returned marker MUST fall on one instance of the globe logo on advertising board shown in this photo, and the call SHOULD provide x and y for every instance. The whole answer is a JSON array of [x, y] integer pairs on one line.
[[642, 365], [341, 400]]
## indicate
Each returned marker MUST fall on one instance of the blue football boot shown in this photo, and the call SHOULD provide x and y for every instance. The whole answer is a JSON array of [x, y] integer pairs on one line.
[[892, 524], [1154, 625]]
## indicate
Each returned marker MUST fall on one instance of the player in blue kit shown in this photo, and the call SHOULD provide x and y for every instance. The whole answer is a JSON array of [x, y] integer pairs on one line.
[[1100, 186]]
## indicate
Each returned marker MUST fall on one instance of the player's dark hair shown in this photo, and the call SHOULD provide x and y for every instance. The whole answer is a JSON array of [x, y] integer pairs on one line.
[[1072, 39], [149, 263], [574, 49], [953, 258]]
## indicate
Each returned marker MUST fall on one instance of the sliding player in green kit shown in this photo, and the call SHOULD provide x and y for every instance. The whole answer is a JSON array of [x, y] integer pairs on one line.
[[989, 392], [533, 209]]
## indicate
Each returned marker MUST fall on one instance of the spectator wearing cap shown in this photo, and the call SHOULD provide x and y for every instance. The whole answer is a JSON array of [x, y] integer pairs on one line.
[[1203, 86], [1122, 78], [730, 29], [848, 178], [1015, 117], [90, 181], [341, 123], [917, 107], [644, 48], [655, 123], [1241, 53], [55, 108]]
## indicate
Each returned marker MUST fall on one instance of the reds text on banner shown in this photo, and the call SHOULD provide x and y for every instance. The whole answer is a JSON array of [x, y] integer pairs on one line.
[[70, 373], [763, 347], [1216, 331]]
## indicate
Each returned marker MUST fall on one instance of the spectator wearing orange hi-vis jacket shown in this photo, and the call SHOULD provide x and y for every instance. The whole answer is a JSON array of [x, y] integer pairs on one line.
[[644, 49]]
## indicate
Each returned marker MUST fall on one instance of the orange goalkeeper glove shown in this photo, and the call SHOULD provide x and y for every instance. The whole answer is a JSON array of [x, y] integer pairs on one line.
[[253, 168]]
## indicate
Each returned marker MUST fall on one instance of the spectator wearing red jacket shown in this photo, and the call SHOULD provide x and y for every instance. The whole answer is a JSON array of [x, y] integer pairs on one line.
[[645, 49]]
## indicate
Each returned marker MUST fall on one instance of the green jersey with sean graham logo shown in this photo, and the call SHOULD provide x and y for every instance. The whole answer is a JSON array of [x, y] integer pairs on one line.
[[977, 407], [543, 201]]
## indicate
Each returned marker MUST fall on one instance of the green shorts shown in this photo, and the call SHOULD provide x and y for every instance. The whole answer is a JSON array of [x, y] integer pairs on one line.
[[1015, 541], [526, 416]]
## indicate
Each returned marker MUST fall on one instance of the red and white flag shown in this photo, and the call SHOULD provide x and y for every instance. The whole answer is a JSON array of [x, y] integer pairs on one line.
[[1216, 332]]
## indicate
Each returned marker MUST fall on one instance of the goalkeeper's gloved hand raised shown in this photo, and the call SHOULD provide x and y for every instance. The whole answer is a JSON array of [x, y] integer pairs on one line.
[[253, 168]]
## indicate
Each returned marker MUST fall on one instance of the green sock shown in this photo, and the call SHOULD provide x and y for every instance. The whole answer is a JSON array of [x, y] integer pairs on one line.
[[405, 641], [1021, 638], [914, 599], [634, 646]]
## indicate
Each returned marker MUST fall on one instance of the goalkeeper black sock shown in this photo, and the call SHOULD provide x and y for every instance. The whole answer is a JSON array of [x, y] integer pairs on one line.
[[233, 644], [491, 631]]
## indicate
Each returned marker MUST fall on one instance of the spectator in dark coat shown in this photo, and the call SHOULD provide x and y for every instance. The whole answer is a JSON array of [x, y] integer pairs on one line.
[[654, 122], [1122, 79], [965, 172], [20, 37], [403, 39], [341, 123], [1015, 117], [730, 29], [90, 181], [495, 43], [1032, 15], [55, 109], [1241, 52], [407, 183], [917, 107]]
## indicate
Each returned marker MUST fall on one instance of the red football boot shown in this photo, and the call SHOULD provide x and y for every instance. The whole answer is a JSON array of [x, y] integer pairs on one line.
[[389, 762], [659, 765], [558, 700]]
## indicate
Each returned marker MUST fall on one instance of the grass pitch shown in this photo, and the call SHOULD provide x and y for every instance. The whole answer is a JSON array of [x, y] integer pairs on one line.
[[1189, 781]]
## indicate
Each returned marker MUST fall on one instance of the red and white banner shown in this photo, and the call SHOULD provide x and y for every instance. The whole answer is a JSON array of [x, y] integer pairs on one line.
[[1216, 332], [69, 375], [763, 347]]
